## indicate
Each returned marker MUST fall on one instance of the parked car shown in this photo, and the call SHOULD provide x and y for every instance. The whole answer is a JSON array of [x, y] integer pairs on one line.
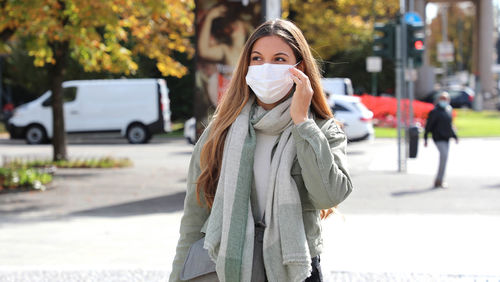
[[356, 118], [135, 108], [460, 96]]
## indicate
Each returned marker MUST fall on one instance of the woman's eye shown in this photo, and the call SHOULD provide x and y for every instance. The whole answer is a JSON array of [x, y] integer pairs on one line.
[[255, 58], [280, 59]]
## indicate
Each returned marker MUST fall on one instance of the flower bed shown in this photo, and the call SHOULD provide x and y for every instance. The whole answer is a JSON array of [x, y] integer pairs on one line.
[[23, 179], [103, 162], [24, 174], [385, 109]]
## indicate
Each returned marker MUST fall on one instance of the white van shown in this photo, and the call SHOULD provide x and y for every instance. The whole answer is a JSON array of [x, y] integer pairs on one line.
[[336, 86], [136, 108]]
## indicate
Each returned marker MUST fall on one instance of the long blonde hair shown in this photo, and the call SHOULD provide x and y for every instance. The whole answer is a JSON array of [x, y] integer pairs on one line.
[[237, 95]]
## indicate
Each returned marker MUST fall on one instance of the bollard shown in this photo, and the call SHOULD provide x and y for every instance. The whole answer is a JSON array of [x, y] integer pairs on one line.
[[413, 133]]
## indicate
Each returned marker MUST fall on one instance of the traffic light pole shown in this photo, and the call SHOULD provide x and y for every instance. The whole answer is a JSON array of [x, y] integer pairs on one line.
[[411, 91], [399, 92], [374, 84], [403, 42], [400, 85]]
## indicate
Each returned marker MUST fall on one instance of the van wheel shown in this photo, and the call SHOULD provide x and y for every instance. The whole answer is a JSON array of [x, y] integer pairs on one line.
[[35, 134], [137, 134]]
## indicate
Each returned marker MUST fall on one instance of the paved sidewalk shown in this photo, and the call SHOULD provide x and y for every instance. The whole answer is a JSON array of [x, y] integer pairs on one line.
[[359, 247], [158, 275], [394, 227]]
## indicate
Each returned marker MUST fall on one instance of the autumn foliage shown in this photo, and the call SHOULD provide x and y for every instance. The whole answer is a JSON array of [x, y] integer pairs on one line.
[[102, 35], [336, 26]]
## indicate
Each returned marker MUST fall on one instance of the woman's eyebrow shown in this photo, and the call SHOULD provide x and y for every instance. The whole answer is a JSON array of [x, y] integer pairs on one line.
[[256, 52], [281, 53]]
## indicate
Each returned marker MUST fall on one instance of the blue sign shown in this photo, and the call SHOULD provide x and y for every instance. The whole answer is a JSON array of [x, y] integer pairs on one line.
[[413, 18]]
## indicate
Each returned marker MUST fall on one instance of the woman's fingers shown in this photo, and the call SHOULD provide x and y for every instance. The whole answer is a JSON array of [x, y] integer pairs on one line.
[[296, 80], [302, 96], [301, 80], [298, 73]]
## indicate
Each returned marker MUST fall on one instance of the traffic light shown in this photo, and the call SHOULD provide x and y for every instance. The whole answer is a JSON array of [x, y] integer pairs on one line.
[[416, 42], [384, 39]]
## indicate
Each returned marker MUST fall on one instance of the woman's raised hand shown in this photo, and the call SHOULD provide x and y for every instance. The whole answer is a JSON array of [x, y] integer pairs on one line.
[[301, 99], [217, 12]]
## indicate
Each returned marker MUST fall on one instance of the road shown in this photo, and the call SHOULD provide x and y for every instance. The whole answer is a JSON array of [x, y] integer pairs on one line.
[[122, 224]]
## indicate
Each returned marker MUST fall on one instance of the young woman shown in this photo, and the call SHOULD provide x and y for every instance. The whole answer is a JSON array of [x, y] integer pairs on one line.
[[269, 166]]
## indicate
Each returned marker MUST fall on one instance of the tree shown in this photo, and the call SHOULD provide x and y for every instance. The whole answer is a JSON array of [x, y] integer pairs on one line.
[[341, 34], [101, 35], [461, 25], [337, 26]]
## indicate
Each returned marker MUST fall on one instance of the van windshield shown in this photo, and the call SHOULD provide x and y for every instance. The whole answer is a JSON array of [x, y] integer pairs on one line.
[[69, 95]]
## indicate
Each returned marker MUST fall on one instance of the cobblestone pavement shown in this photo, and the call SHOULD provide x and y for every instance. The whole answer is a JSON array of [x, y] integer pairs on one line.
[[139, 275]]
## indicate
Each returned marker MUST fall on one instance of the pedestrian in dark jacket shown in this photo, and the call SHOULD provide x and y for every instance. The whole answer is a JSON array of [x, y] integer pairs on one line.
[[439, 124]]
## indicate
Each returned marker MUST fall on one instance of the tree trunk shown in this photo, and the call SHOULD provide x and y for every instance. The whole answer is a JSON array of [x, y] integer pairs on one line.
[[56, 79]]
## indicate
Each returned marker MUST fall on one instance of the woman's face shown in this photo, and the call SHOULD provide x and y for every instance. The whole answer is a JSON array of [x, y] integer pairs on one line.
[[271, 50]]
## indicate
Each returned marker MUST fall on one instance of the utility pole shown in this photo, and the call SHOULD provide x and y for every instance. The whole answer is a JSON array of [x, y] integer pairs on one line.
[[374, 74], [460, 31], [444, 31], [411, 89]]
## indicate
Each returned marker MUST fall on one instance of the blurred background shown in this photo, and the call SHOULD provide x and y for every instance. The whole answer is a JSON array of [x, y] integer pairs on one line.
[[102, 101]]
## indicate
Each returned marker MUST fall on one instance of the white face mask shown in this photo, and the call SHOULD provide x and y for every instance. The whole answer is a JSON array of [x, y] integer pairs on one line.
[[270, 82]]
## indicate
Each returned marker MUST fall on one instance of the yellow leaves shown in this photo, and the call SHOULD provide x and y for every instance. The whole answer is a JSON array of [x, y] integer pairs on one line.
[[104, 34], [168, 66], [42, 56]]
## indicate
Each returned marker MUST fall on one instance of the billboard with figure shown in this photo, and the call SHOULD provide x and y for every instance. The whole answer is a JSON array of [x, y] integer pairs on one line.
[[222, 28]]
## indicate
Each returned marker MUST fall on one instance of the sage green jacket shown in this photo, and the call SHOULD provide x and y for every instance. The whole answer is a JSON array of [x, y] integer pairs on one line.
[[320, 172]]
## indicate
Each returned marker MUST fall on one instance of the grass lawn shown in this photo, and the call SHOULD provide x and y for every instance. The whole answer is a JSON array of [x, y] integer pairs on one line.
[[177, 130], [468, 123], [384, 132]]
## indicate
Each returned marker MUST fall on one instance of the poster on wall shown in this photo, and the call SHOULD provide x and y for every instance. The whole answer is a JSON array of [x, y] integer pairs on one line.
[[222, 28]]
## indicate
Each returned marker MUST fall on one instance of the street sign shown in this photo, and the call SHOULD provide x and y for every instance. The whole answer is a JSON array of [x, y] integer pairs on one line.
[[445, 52], [373, 64], [413, 18], [411, 75]]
